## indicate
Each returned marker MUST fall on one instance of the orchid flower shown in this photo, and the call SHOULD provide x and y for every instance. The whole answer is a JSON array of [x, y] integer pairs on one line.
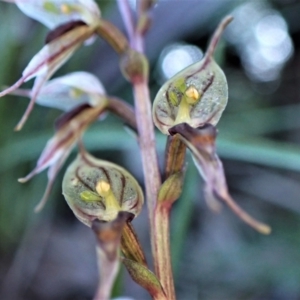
[[61, 43], [69, 130], [104, 196], [197, 95], [67, 92], [96, 189], [189, 105]]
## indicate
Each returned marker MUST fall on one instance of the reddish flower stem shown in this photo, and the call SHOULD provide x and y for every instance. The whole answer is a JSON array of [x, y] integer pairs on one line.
[[158, 213], [163, 269], [147, 144]]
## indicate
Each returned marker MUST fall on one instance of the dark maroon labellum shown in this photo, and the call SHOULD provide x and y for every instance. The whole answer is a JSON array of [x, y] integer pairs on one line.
[[191, 133], [66, 117], [62, 29]]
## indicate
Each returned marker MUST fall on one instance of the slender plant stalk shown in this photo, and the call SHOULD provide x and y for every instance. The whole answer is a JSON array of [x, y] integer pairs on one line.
[[136, 71], [144, 122], [124, 9], [147, 144], [163, 269], [159, 214], [108, 272], [174, 163], [113, 36], [122, 109], [108, 235]]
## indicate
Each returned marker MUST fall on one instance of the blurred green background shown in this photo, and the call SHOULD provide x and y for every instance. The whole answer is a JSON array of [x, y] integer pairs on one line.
[[51, 255]]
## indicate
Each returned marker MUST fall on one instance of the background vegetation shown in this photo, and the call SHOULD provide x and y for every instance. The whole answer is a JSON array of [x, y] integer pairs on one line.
[[51, 255]]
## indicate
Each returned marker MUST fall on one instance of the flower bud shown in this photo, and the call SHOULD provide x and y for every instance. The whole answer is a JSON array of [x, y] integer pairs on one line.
[[134, 66], [98, 189], [196, 96]]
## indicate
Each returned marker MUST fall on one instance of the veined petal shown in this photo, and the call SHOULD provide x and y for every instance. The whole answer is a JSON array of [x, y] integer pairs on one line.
[[54, 54], [53, 151], [84, 81], [59, 146], [38, 83], [47, 61], [197, 95], [53, 13], [99, 189], [52, 172], [69, 91], [67, 135], [201, 142]]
